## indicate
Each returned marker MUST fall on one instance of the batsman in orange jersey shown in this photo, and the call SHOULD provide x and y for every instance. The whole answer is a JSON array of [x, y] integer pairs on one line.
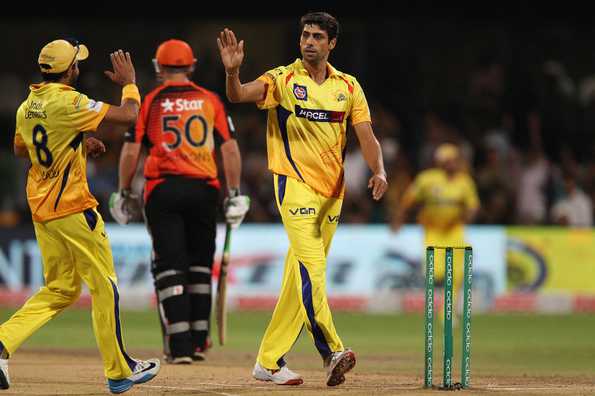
[[182, 126], [52, 126], [309, 105]]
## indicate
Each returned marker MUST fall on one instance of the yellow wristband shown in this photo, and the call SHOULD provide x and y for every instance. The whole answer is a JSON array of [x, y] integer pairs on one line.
[[130, 91]]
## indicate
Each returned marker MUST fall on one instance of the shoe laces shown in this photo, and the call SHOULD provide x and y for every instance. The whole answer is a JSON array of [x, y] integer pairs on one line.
[[140, 366]]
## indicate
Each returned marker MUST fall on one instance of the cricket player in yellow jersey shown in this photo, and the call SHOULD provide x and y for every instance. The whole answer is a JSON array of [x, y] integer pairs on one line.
[[447, 199], [309, 103], [51, 127]]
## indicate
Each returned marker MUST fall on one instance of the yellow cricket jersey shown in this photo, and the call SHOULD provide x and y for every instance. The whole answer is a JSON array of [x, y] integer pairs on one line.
[[307, 123], [443, 200], [50, 123]]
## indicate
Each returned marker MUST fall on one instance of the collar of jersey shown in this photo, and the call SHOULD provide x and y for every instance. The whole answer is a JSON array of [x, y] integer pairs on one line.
[[49, 85], [299, 67]]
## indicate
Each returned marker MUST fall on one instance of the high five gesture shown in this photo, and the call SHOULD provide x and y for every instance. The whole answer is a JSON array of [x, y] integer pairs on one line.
[[232, 56], [232, 52]]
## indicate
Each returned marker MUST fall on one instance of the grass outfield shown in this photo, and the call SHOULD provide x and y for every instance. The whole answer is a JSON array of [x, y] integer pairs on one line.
[[518, 345]]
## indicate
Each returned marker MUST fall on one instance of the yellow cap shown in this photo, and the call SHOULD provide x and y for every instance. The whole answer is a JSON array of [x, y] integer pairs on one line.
[[446, 152], [59, 55]]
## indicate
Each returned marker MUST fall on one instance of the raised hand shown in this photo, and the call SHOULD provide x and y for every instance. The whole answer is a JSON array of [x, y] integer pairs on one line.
[[232, 52], [123, 73]]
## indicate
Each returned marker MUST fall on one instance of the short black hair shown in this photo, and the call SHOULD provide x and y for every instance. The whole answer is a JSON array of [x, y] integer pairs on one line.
[[325, 21]]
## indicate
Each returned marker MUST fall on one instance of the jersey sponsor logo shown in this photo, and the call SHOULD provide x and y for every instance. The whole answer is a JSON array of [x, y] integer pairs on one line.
[[319, 115], [94, 106], [181, 105], [300, 92], [302, 211], [333, 219], [341, 97]]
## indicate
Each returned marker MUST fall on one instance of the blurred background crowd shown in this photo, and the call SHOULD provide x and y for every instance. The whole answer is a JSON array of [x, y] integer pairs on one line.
[[518, 99]]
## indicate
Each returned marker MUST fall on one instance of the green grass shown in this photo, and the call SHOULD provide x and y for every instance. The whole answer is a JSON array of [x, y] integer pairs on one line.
[[502, 344]]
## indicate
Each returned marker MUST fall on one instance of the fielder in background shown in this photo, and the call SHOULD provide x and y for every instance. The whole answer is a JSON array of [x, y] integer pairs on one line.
[[309, 103], [446, 198], [51, 126], [181, 124]]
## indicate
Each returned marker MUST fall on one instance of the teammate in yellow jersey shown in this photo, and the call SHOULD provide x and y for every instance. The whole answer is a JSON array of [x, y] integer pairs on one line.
[[308, 103], [51, 127], [447, 200]]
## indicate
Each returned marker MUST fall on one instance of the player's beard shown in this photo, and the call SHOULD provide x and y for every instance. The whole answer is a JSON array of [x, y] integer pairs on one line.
[[314, 58]]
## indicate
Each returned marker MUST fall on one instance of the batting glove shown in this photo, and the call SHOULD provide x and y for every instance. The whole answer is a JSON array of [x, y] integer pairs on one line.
[[235, 207], [124, 206]]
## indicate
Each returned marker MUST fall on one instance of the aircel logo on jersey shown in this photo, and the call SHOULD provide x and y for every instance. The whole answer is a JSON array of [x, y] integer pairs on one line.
[[302, 211], [181, 105], [319, 115]]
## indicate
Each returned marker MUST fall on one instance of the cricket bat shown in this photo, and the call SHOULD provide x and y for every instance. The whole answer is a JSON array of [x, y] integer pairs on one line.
[[220, 303]]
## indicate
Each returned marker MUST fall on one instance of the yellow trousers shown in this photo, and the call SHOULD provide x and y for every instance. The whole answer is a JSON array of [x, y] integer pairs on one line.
[[75, 249], [452, 237], [310, 220]]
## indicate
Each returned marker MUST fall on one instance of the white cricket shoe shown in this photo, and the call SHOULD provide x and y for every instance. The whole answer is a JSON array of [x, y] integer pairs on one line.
[[283, 376], [144, 371], [4, 378], [337, 364]]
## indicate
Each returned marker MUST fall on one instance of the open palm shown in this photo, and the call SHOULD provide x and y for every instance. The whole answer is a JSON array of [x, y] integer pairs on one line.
[[232, 52]]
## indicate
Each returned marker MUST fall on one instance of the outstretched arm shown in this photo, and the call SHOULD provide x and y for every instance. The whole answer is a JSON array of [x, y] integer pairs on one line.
[[125, 76], [232, 56], [373, 156]]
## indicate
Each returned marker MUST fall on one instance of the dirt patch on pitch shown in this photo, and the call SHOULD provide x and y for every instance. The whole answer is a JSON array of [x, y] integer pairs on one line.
[[79, 372]]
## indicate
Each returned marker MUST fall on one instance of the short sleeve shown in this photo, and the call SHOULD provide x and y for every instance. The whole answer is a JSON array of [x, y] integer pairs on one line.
[[360, 112], [141, 121], [270, 99], [224, 128], [85, 114]]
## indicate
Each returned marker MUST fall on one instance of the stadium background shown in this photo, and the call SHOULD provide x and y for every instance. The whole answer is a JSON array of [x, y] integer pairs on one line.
[[515, 91]]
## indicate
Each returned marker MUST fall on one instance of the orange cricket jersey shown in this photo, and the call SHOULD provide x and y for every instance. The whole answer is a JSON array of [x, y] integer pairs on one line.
[[181, 124]]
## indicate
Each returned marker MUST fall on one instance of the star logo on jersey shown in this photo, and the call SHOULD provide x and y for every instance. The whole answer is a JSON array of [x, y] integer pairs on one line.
[[167, 105], [300, 92]]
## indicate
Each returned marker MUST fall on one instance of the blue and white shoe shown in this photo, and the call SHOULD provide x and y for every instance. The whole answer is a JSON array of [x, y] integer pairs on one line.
[[4, 378], [144, 371]]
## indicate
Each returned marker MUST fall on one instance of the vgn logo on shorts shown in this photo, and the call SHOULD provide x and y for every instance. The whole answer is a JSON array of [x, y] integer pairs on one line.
[[302, 211], [300, 92]]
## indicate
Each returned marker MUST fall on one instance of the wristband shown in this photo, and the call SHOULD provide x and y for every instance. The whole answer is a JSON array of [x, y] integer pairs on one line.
[[130, 91], [233, 192]]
